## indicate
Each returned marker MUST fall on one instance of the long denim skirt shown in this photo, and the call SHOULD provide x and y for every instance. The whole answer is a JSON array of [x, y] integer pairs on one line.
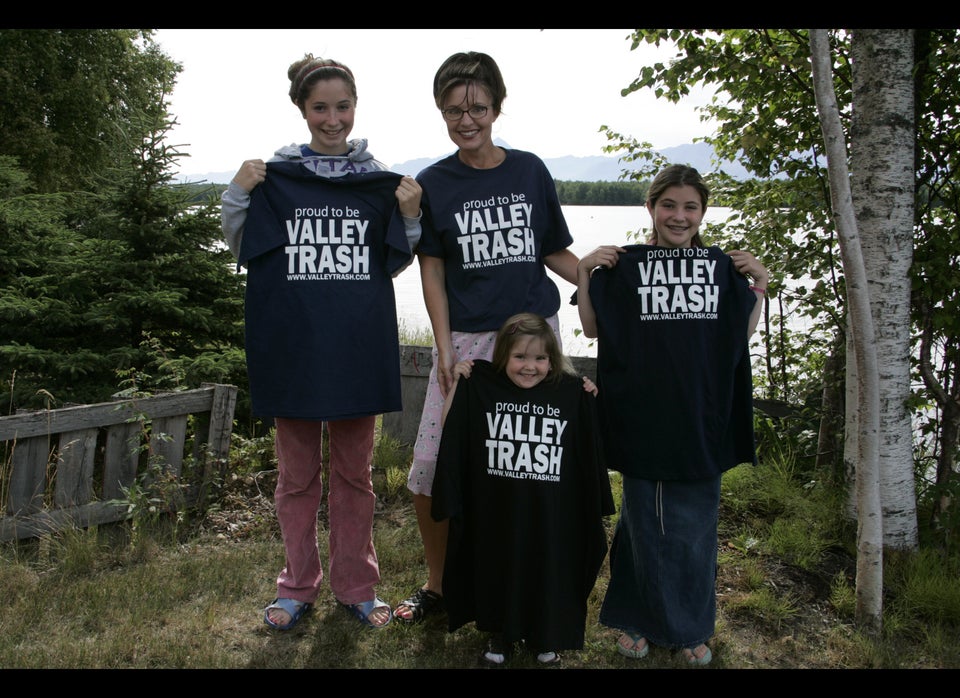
[[663, 562]]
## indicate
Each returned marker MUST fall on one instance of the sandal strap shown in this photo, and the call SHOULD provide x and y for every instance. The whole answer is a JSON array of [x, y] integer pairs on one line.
[[291, 606], [363, 609], [421, 603], [423, 597]]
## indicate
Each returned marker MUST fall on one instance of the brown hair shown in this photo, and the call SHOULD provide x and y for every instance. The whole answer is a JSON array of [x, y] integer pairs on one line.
[[676, 176], [306, 72], [470, 68], [529, 325]]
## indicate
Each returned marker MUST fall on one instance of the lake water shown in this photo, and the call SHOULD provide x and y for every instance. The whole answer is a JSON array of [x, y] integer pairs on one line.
[[591, 226]]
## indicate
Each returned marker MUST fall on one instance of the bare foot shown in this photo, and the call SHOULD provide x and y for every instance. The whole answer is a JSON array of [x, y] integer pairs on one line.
[[632, 645], [279, 616], [284, 613], [379, 616], [699, 655]]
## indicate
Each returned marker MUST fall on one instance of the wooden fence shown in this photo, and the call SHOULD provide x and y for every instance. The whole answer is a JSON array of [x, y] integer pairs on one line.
[[69, 467]]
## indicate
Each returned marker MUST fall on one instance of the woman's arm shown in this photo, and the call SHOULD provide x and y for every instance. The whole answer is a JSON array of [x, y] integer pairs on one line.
[[433, 281], [564, 264]]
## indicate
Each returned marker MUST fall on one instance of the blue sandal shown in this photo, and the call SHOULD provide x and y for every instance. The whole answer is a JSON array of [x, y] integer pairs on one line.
[[362, 611], [295, 609], [632, 648], [690, 654]]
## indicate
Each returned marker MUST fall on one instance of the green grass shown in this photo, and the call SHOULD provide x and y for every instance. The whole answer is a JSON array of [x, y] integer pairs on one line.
[[191, 595], [415, 336]]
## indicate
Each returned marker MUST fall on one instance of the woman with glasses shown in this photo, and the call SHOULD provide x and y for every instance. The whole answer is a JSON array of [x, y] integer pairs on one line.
[[492, 226]]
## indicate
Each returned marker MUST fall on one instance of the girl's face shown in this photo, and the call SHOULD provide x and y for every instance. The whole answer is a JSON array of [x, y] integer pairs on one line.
[[470, 133], [528, 363], [329, 111], [677, 215]]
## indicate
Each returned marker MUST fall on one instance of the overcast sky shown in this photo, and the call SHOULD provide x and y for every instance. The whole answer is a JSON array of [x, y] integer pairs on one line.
[[231, 99]]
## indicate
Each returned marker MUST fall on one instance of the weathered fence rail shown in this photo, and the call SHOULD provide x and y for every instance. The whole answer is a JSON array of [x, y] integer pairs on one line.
[[68, 467]]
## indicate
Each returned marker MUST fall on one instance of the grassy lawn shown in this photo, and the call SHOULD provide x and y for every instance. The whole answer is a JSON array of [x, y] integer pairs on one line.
[[187, 591]]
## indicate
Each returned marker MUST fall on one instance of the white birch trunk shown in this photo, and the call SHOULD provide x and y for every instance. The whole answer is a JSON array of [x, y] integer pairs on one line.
[[883, 176], [851, 431], [869, 591]]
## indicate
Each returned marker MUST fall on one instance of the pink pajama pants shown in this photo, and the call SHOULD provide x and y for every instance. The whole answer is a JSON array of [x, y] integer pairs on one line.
[[354, 569]]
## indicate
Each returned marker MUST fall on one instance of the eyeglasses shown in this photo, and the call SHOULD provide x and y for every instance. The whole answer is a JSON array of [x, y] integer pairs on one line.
[[477, 111]]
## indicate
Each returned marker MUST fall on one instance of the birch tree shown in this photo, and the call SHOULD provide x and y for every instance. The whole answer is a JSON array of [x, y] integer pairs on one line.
[[869, 586], [766, 119], [883, 182]]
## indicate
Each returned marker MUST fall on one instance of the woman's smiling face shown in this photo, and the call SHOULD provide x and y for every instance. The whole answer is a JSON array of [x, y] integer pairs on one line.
[[469, 132]]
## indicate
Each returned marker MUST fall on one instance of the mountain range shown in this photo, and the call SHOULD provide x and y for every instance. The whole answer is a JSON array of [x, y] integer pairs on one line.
[[569, 168]]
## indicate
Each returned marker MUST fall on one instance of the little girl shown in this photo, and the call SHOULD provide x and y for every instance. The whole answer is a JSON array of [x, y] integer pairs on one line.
[[521, 480]]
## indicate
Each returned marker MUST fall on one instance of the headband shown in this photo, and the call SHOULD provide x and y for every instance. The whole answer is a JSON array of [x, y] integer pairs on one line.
[[308, 72]]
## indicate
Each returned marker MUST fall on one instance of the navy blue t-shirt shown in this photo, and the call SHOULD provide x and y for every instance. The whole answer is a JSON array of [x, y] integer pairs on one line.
[[493, 228], [673, 366], [321, 317]]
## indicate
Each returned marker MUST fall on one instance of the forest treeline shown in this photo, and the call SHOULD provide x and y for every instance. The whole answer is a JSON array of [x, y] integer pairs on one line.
[[630, 193]]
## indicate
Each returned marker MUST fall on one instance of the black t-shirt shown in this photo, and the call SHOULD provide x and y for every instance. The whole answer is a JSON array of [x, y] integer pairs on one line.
[[521, 477]]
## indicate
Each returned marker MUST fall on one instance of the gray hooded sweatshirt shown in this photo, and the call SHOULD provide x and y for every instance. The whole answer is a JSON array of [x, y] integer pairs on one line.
[[235, 201]]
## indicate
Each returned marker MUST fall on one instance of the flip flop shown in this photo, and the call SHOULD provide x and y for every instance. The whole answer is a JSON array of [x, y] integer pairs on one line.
[[295, 609], [632, 650], [362, 611], [690, 655]]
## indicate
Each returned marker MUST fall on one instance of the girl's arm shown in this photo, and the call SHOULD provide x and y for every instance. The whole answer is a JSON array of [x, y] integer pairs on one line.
[[235, 201], [750, 266], [603, 256], [408, 195]]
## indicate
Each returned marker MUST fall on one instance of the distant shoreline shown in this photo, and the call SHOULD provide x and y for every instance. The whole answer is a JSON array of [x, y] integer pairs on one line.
[[569, 168]]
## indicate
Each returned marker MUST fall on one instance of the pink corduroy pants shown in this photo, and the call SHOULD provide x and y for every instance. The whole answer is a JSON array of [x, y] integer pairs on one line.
[[353, 566]]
